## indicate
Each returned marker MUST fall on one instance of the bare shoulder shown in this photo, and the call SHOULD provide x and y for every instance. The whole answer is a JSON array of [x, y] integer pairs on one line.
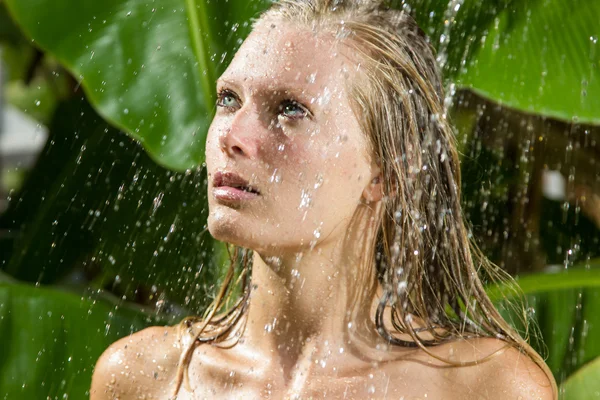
[[506, 373], [141, 365], [491, 370]]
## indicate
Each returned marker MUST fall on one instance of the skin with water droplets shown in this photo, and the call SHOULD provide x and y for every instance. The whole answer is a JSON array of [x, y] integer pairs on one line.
[[301, 312]]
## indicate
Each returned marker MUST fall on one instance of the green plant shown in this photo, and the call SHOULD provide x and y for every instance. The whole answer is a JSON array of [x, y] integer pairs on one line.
[[564, 306], [96, 204]]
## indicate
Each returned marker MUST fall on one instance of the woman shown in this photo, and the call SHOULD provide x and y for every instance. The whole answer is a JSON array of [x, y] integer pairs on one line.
[[331, 158]]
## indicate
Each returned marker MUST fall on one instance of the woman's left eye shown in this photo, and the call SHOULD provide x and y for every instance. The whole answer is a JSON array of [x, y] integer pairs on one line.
[[292, 110]]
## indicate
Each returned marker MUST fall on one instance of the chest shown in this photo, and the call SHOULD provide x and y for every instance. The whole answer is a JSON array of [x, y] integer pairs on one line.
[[383, 387]]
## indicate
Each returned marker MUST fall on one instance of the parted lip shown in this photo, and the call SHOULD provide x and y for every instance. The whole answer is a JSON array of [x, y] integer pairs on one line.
[[231, 179]]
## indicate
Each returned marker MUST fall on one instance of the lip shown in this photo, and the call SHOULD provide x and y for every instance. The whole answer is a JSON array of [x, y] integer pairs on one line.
[[228, 193], [227, 187]]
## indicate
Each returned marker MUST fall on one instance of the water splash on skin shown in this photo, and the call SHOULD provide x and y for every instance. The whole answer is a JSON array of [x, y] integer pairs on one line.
[[295, 276], [275, 177], [318, 182], [305, 199], [218, 215], [324, 98], [316, 235], [269, 327], [275, 262]]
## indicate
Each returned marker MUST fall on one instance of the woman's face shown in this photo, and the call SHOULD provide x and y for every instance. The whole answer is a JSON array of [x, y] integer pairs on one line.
[[284, 124]]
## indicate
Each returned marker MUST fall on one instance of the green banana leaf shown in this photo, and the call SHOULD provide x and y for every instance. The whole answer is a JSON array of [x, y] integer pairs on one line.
[[541, 57], [583, 384], [150, 69], [50, 340], [564, 306], [537, 56]]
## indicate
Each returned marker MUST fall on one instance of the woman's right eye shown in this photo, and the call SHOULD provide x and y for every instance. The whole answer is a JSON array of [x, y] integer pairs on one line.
[[227, 99]]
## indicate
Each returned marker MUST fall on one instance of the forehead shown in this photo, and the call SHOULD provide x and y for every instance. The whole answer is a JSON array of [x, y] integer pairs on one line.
[[278, 53]]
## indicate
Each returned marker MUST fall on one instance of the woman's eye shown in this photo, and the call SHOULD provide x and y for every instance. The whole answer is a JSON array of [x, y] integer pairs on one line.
[[227, 99], [292, 110]]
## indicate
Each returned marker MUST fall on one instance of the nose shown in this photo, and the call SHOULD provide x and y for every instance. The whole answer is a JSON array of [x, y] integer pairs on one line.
[[240, 138]]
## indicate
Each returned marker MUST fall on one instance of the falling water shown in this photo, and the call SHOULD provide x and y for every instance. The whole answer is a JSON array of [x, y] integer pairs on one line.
[[98, 240]]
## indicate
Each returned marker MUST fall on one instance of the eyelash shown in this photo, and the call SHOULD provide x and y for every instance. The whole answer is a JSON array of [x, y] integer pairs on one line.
[[286, 102]]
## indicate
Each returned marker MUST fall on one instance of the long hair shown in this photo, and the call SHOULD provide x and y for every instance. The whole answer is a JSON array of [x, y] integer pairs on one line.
[[428, 268]]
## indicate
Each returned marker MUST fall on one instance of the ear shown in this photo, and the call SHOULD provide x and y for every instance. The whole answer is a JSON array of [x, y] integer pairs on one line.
[[373, 192]]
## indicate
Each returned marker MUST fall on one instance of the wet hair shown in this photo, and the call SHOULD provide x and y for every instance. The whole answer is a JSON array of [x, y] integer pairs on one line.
[[429, 271]]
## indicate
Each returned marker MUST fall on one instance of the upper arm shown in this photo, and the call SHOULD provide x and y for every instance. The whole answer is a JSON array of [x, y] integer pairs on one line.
[[138, 366], [105, 373]]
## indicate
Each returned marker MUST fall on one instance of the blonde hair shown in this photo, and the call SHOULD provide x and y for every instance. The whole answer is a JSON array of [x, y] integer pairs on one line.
[[422, 255]]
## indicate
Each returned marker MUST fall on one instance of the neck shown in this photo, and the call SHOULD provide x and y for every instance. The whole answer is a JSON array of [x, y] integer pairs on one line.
[[315, 301]]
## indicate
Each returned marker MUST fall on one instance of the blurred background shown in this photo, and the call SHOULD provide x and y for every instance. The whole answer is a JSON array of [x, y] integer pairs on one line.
[[104, 108]]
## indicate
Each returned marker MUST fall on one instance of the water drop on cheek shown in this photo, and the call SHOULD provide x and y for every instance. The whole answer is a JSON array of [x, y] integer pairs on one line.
[[218, 215]]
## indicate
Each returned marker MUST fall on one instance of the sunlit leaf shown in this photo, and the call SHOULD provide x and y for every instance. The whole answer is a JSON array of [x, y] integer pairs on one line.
[[538, 56], [583, 384], [149, 68], [542, 57], [573, 278], [50, 340], [564, 306]]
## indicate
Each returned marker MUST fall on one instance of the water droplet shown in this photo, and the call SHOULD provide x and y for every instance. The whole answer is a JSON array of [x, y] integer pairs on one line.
[[275, 178], [305, 199], [401, 286], [325, 97], [319, 181], [398, 216]]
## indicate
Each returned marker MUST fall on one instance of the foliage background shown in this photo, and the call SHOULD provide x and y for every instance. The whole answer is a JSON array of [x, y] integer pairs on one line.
[[105, 234]]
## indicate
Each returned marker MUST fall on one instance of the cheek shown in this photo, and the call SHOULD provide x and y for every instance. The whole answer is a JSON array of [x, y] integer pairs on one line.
[[337, 160], [342, 159], [212, 139]]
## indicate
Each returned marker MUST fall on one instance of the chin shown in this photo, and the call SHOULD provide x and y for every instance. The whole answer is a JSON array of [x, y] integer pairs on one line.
[[225, 227]]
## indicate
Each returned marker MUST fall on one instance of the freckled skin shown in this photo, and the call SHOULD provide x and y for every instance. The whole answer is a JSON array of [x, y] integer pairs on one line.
[[307, 333], [327, 146]]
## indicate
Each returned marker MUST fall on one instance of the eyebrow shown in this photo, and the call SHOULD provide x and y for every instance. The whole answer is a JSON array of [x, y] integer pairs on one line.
[[271, 86]]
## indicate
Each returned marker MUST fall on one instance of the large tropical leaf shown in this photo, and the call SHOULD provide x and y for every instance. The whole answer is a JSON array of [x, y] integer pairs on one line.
[[584, 384], [50, 340], [542, 57], [148, 67], [538, 56], [564, 306]]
